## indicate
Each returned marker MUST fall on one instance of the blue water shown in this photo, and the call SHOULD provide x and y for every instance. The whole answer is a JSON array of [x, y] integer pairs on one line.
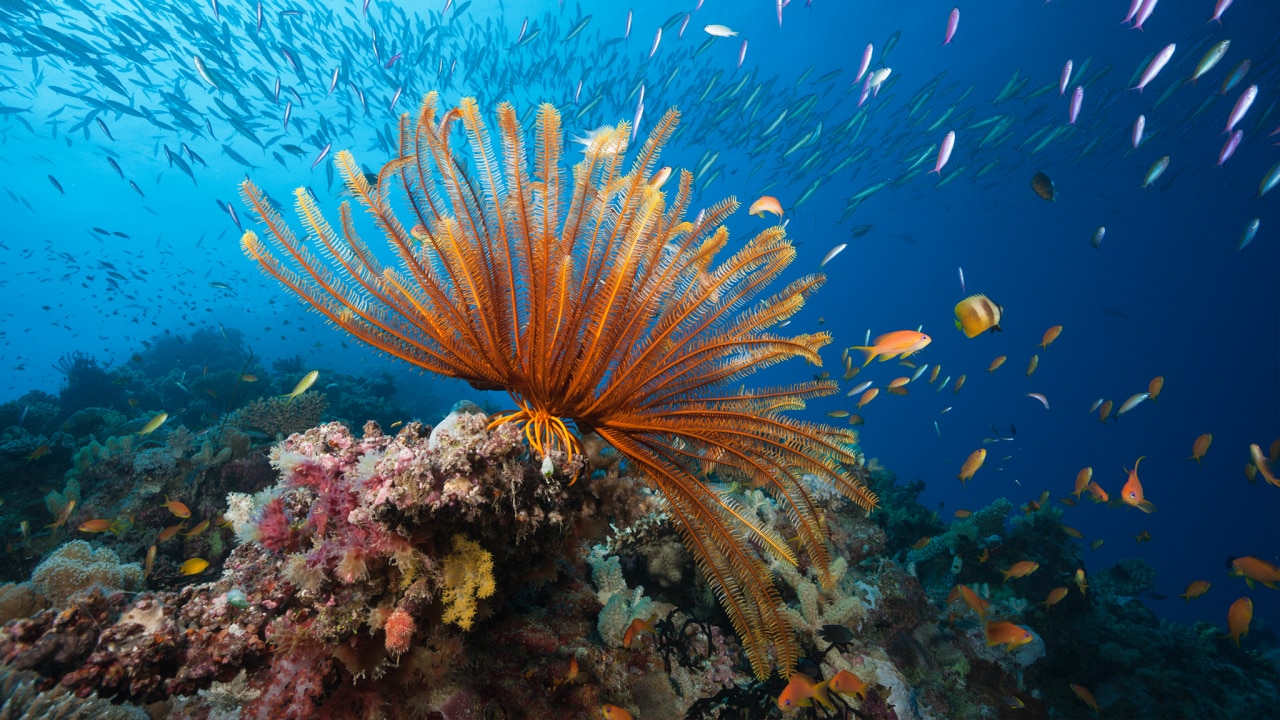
[[1167, 293]]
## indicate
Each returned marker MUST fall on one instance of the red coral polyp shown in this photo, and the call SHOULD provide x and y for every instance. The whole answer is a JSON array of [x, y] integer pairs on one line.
[[274, 529]]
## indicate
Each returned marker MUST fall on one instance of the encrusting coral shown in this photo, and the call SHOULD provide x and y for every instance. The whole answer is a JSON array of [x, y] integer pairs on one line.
[[605, 311]]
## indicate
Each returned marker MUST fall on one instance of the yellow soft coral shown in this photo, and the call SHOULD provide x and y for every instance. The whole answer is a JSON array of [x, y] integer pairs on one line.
[[468, 575]]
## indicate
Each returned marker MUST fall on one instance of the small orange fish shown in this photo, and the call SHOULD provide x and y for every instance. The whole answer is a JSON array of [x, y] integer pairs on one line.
[[1085, 696], [1020, 569], [985, 556], [638, 626], [1050, 335], [959, 384], [1131, 493], [899, 382], [613, 712], [1055, 597], [1104, 411], [1142, 537], [176, 508], [1072, 532], [1195, 590], [1033, 364], [846, 683], [1254, 570], [962, 513], [1080, 581], [921, 543], [933, 376], [900, 343], [1096, 544], [971, 599], [1083, 478], [1068, 501], [1099, 495], [766, 203], [199, 528], [39, 453], [971, 466], [995, 364], [1239, 615], [169, 533], [95, 526], [1007, 634], [868, 396], [800, 691], [1155, 387], [248, 378], [1200, 447], [151, 562]]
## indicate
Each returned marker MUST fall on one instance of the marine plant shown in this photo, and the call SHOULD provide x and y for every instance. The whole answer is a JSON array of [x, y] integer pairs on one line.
[[595, 304]]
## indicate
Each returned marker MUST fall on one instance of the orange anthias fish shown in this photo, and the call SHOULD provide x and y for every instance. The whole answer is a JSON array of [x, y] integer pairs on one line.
[[95, 526], [900, 343], [1050, 335], [1055, 597], [169, 533], [1007, 634], [1131, 493], [638, 626], [971, 466], [1142, 537], [613, 712], [1254, 570], [1239, 615], [1099, 495], [846, 683], [1195, 590], [766, 203], [1200, 447], [1083, 478], [971, 599], [1085, 696], [39, 452], [800, 692], [176, 508], [1155, 387], [1020, 569]]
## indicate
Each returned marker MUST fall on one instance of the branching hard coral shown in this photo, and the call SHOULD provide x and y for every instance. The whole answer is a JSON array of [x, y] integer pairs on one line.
[[600, 308]]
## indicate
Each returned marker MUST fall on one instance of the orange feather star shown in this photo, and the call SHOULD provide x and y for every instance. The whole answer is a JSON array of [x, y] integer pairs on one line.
[[600, 306]]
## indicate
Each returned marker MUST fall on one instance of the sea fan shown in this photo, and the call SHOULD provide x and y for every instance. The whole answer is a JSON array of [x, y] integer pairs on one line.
[[598, 307]]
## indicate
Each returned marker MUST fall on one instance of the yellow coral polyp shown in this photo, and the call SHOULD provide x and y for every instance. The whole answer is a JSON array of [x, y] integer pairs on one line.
[[467, 575]]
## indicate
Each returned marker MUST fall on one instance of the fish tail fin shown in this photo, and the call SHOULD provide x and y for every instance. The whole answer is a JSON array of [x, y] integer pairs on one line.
[[870, 351]]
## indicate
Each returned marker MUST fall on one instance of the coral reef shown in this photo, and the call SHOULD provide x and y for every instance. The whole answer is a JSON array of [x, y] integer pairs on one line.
[[280, 417], [77, 568], [439, 573]]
